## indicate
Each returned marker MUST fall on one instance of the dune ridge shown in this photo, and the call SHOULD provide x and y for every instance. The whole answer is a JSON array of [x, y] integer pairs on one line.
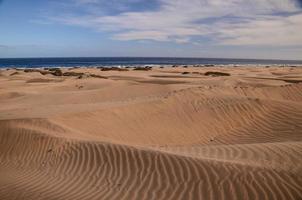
[[210, 138], [114, 171]]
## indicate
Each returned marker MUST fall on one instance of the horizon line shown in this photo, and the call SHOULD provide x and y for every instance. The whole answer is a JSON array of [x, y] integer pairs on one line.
[[154, 57]]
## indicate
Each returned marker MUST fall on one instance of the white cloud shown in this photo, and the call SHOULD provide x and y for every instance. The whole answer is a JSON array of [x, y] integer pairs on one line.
[[268, 31], [226, 22]]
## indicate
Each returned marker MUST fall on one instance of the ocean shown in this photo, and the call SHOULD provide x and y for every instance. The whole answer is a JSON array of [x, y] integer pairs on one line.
[[130, 61]]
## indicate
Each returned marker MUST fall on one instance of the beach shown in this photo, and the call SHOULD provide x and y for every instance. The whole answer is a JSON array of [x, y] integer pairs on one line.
[[177, 132]]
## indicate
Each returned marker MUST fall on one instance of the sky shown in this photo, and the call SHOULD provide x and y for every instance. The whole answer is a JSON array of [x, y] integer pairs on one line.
[[267, 29]]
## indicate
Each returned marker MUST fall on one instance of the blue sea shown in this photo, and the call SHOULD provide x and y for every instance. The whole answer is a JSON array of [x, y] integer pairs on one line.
[[130, 61]]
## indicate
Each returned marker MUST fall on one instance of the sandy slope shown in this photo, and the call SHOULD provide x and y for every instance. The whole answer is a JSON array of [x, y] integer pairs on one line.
[[156, 134]]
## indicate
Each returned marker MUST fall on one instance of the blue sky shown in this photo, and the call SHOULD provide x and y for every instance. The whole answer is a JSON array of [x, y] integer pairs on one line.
[[180, 28]]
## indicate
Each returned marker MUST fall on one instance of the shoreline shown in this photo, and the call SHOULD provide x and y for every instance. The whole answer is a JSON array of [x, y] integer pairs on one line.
[[154, 65]]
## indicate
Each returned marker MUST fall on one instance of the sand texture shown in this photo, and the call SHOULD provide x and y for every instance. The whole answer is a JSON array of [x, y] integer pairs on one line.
[[162, 134]]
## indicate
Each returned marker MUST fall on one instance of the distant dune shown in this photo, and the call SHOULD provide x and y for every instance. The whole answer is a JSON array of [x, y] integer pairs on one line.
[[163, 133]]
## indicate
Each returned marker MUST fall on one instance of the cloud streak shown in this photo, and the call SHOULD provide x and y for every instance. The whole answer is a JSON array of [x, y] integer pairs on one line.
[[232, 22]]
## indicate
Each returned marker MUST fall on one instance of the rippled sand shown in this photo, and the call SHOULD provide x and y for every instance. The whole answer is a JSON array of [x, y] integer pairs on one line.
[[159, 134]]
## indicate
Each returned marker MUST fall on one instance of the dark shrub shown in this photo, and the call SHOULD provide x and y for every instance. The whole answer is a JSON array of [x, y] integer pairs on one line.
[[217, 74]]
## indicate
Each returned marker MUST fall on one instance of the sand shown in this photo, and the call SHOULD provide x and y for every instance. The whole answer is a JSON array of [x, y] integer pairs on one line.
[[159, 134]]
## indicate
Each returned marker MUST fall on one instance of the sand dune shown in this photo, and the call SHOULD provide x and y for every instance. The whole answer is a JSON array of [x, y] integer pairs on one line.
[[152, 135]]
